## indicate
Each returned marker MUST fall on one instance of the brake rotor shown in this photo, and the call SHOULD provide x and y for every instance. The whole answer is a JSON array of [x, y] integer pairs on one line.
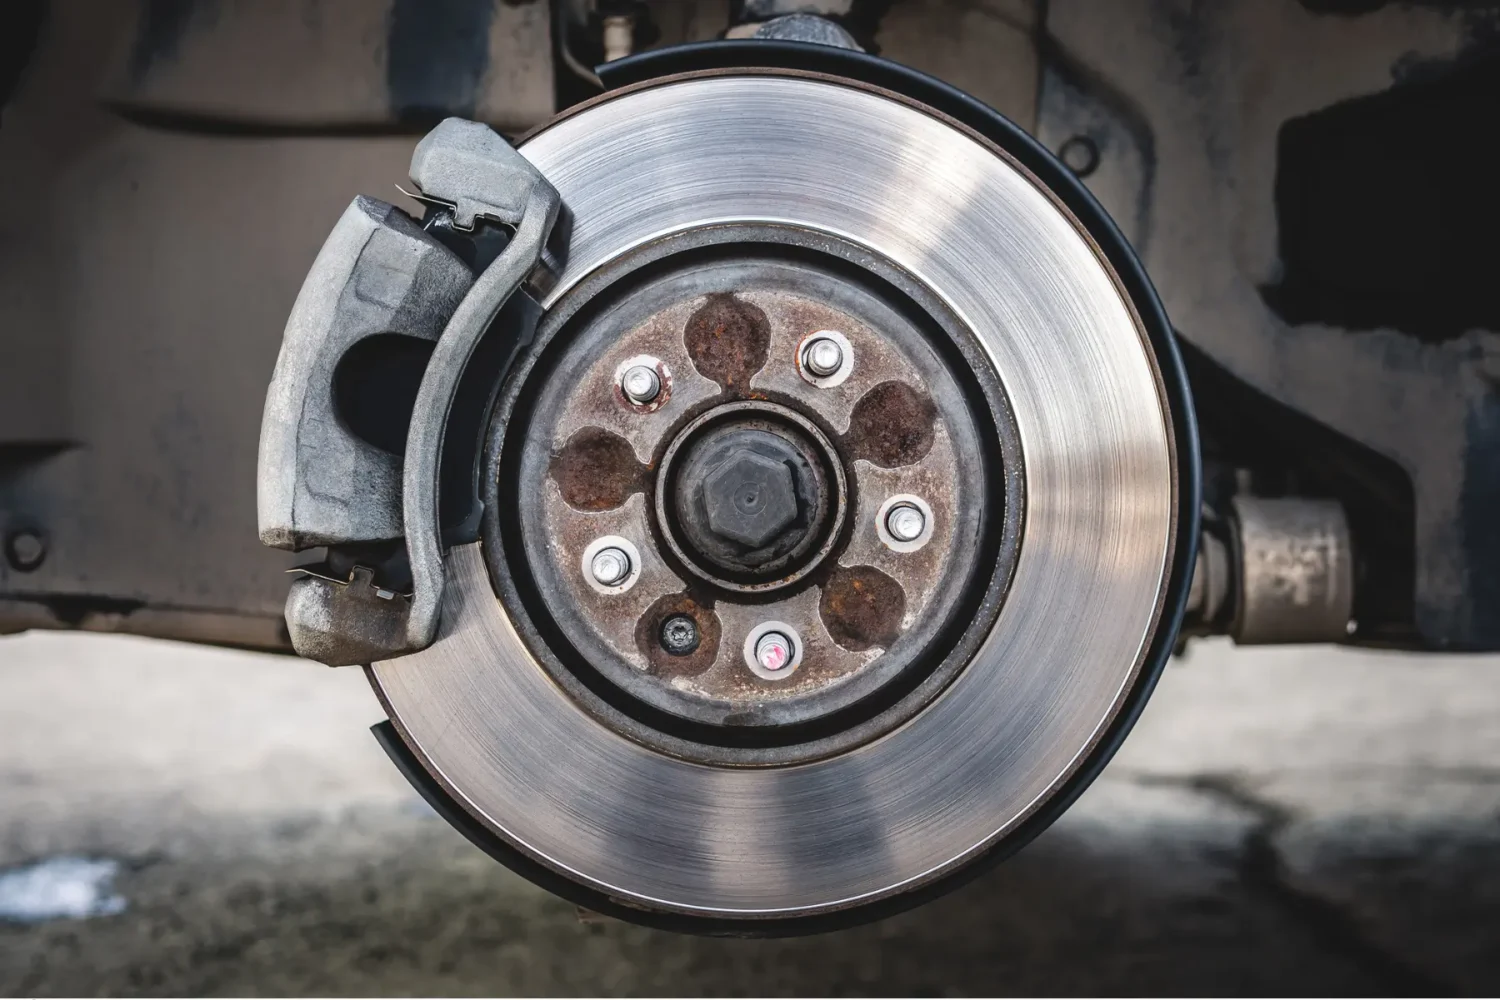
[[763, 629]]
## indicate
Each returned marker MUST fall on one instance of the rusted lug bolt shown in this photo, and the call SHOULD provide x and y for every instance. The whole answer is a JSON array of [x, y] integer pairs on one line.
[[679, 635], [773, 651], [905, 522], [822, 356], [610, 566], [640, 384]]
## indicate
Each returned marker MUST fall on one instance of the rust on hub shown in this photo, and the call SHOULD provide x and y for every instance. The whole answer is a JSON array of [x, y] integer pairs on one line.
[[729, 340], [648, 636], [597, 470], [862, 608], [891, 426]]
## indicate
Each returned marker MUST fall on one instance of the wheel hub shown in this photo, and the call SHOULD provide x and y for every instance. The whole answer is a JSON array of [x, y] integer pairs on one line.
[[753, 493]]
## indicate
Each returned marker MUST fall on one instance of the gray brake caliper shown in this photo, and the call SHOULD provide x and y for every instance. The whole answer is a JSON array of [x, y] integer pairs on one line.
[[380, 273]]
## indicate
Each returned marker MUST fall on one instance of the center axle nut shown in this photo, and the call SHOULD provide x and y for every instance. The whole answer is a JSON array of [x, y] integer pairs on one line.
[[751, 497]]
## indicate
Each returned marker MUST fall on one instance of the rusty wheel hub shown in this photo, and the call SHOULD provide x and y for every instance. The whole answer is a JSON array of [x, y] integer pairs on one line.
[[750, 496], [806, 391]]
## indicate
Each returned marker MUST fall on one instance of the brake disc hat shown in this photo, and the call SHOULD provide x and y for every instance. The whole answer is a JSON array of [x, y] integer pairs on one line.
[[1067, 658]]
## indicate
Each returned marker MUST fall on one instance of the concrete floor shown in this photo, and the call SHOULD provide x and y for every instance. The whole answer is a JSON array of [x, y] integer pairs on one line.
[[1296, 820]]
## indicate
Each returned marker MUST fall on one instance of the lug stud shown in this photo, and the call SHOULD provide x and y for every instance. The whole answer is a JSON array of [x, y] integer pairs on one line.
[[905, 522], [640, 384], [825, 358], [610, 566], [773, 651], [822, 356]]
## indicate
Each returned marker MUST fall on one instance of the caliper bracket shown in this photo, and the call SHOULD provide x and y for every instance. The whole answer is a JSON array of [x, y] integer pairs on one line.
[[320, 484]]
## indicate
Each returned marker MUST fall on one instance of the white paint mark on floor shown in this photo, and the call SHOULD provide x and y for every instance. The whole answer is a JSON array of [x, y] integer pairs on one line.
[[62, 888]]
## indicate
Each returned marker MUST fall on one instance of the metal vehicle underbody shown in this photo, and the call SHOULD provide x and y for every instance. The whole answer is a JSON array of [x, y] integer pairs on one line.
[[766, 491]]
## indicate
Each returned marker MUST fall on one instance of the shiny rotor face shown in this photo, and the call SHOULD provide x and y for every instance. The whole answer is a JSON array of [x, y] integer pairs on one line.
[[831, 512]]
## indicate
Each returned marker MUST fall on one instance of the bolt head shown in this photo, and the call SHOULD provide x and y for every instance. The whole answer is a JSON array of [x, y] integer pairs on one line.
[[640, 384], [25, 550], [679, 635], [1080, 154], [773, 651], [822, 356], [750, 499], [905, 522], [610, 566]]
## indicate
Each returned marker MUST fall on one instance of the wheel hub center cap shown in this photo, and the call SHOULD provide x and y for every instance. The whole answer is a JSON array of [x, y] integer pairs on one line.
[[749, 494]]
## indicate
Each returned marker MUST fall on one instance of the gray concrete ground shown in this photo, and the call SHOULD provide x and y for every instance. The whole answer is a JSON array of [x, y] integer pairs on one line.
[[1281, 821]]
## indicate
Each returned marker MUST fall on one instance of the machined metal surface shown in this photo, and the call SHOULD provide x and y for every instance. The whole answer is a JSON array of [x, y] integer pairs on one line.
[[1242, 198], [1295, 567], [1066, 648]]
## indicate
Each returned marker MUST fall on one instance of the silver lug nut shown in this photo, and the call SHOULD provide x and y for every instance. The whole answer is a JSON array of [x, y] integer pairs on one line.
[[822, 356], [610, 566], [640, 384], [905, 522], [773, 651]]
